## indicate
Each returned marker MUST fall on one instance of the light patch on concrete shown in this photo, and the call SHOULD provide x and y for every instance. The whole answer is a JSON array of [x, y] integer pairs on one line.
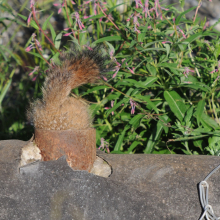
[[29, 154], [101, 168]]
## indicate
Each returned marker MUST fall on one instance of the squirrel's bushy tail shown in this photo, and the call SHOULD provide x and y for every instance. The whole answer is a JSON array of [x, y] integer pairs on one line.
[[77, 68], [56, 110]]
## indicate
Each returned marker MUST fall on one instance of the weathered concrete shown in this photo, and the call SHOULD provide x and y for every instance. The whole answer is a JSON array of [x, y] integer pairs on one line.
[[140, 187]]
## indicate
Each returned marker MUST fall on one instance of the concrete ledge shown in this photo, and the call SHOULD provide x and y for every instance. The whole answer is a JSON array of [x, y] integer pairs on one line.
[[140, 187]]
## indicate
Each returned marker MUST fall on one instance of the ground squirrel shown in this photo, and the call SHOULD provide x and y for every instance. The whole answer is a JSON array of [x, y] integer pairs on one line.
[[57, 110]]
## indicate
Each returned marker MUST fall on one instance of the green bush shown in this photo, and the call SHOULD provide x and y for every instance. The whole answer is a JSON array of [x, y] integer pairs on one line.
[[163, 96]]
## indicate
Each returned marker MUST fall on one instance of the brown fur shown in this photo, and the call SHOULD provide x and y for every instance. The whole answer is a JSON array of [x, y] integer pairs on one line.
[[57, 110]]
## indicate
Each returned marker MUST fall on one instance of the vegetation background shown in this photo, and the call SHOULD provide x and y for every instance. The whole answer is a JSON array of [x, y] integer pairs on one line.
[[163, 96]]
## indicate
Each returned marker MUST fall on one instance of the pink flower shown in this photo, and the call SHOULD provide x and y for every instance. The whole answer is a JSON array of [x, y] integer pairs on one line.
[[188, 82], [157, 6], [165, 42], [131, 70], [32, 2], [117, 68], [29, 48], [133, 104], [135, 20], [38, 44], [78, 21], [206, 25], [89, 48], [112, 104], [105, 78], [102, 4], [181, 32], [104, 144], [35, 69], [187, 71], [215, 70], [67, 34], [33, 45], [59, 5], [29, 19], [146, 10], [217, 79], [138, 2]]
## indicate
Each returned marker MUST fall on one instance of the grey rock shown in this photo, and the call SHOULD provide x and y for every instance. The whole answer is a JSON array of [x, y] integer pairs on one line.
[[140, 187]]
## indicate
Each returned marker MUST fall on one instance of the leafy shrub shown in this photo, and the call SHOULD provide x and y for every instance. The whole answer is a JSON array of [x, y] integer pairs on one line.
[[163, 96]]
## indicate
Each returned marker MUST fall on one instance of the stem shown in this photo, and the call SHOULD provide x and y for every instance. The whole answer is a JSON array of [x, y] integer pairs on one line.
[[34, 16], [213, 105], [199, 5], [68, 18], [190, 53], [107, 17], [41, 54]]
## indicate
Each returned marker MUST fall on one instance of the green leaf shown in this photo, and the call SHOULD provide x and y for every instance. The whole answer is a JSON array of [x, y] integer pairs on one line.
[[176, 104], [123, 101], [189, 114], [111, 9], [164, 120], [149, 102], [192, 38], [155, 135], [94, 17], [199, 110], [205, 119], [3, 54], [58, 40], [53, 33], [95, 89], [152, 48], [110, 38], [150, 80], [6, 87], [44, 27], [121, 138], [133, 42], [167, 46], [34, 25], [188, 138], [135, 121], [95, 107], [183, 13], [197, 86], [23, 17], [36, 55], [11, 54], [152, 70], [141, 37], [133, 145]]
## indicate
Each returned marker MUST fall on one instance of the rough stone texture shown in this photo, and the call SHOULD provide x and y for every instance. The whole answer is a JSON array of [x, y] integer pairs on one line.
[[140, 187]]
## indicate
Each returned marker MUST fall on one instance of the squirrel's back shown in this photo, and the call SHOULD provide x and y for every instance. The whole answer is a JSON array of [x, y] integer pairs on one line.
[[57, 110]]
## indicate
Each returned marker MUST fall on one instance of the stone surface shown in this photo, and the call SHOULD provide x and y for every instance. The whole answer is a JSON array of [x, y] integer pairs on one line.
[[140, 187]]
